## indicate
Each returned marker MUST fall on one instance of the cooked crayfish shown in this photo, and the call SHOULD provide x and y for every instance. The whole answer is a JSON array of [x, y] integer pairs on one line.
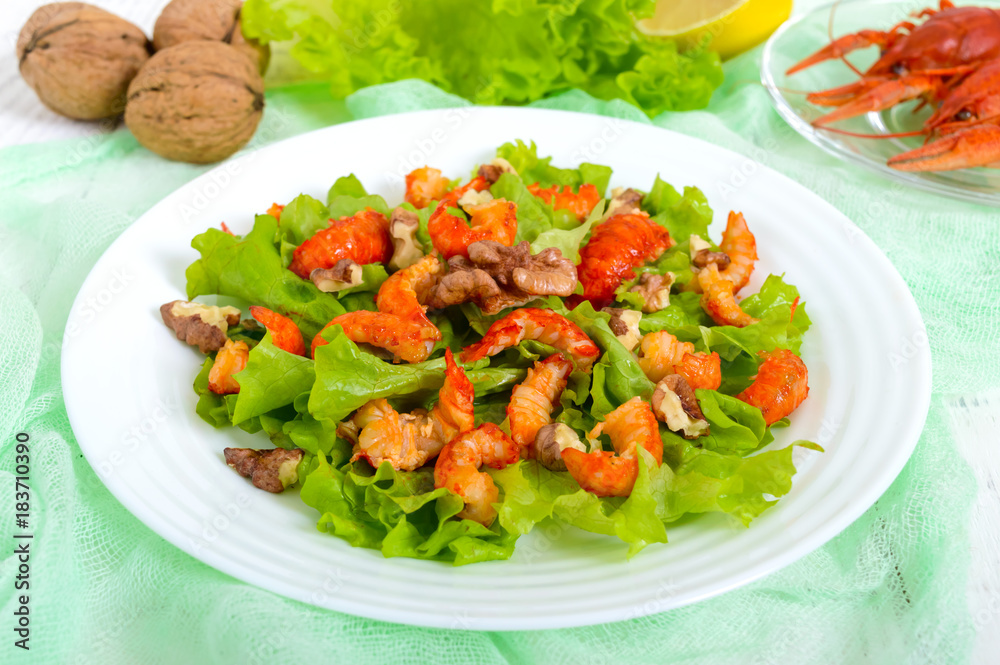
[[950, 59]]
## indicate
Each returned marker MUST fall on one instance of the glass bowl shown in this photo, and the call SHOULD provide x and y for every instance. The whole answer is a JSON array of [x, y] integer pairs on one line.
[[804, 35]]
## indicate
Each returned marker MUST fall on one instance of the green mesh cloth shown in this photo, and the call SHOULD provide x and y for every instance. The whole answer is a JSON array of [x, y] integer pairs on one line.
[[106, 589]]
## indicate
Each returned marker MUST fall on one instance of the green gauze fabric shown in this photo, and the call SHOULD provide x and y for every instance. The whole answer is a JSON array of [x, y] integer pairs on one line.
[[105, 589]]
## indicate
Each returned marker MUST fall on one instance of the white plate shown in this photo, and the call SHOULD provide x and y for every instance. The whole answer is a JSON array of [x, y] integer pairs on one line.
[[127, 384]]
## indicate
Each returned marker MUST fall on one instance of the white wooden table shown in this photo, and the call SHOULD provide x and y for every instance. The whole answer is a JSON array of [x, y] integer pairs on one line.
[[975, 419]]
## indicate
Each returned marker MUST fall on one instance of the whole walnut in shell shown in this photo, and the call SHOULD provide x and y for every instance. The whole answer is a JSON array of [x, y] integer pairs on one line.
[[195, 102], [79, 59], [207, 20]]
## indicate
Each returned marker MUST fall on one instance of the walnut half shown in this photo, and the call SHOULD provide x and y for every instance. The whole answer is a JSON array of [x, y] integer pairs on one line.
[[655, 291], [343, 275], [623, 202], [269, 470], [495, 276], [549, 443], [200, 325], [675, 404], [624, 324], [491, 172], [403, 228]]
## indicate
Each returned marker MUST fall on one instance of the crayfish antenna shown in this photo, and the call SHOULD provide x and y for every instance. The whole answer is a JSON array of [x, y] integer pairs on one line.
[[897, 135]]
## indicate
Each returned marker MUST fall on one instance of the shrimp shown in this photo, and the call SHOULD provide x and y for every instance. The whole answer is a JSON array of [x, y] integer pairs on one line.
[[781, 384], [659, 352], [457, 469], [532, 402], [403, 292], [701, 370], [231, 359], [718, 301], [363, 238], [453, 414], [532, 323], [284, 333], [408, 440], [660, 355], [424, 185], [613, 474], [616, 246], [579, 203], [407, 339], [741, 248], [493, 220], [401, 324]]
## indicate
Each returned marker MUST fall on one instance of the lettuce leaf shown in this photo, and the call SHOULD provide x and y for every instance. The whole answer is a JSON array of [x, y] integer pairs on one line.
[[532, 168], [617, 377], [399, 513], [250, 268], [682, 215], [568, 241], [272, 378], [348, 196], [301, 218], [777, 328], [211, 407], [346, 378], [736, 428], [684, 311], [507, 51], [533, 216]]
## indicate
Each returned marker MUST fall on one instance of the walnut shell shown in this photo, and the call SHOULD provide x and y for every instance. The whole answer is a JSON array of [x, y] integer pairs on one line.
[[79, 59], [207, 20], [196, 102]]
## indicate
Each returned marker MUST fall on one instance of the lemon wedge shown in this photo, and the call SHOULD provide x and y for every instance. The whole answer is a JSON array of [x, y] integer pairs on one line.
[[735, 25]]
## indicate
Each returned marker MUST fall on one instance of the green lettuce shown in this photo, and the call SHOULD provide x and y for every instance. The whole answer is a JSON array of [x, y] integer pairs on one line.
[[506, 51], [735, 427], [777, 328], [211, 407], [533, 216], [347, 378], [300, 219], [568, 241], [272, 378], [534, 169], [347, 197], [399, 513], [250, 268], [617, 377], [683, 215]]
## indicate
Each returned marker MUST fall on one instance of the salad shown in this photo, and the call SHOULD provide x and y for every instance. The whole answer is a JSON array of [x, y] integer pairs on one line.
[[439, 377]]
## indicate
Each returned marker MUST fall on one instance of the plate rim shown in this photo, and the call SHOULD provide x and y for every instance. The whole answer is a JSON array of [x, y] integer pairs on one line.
[[820, 139], [909, 434]]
